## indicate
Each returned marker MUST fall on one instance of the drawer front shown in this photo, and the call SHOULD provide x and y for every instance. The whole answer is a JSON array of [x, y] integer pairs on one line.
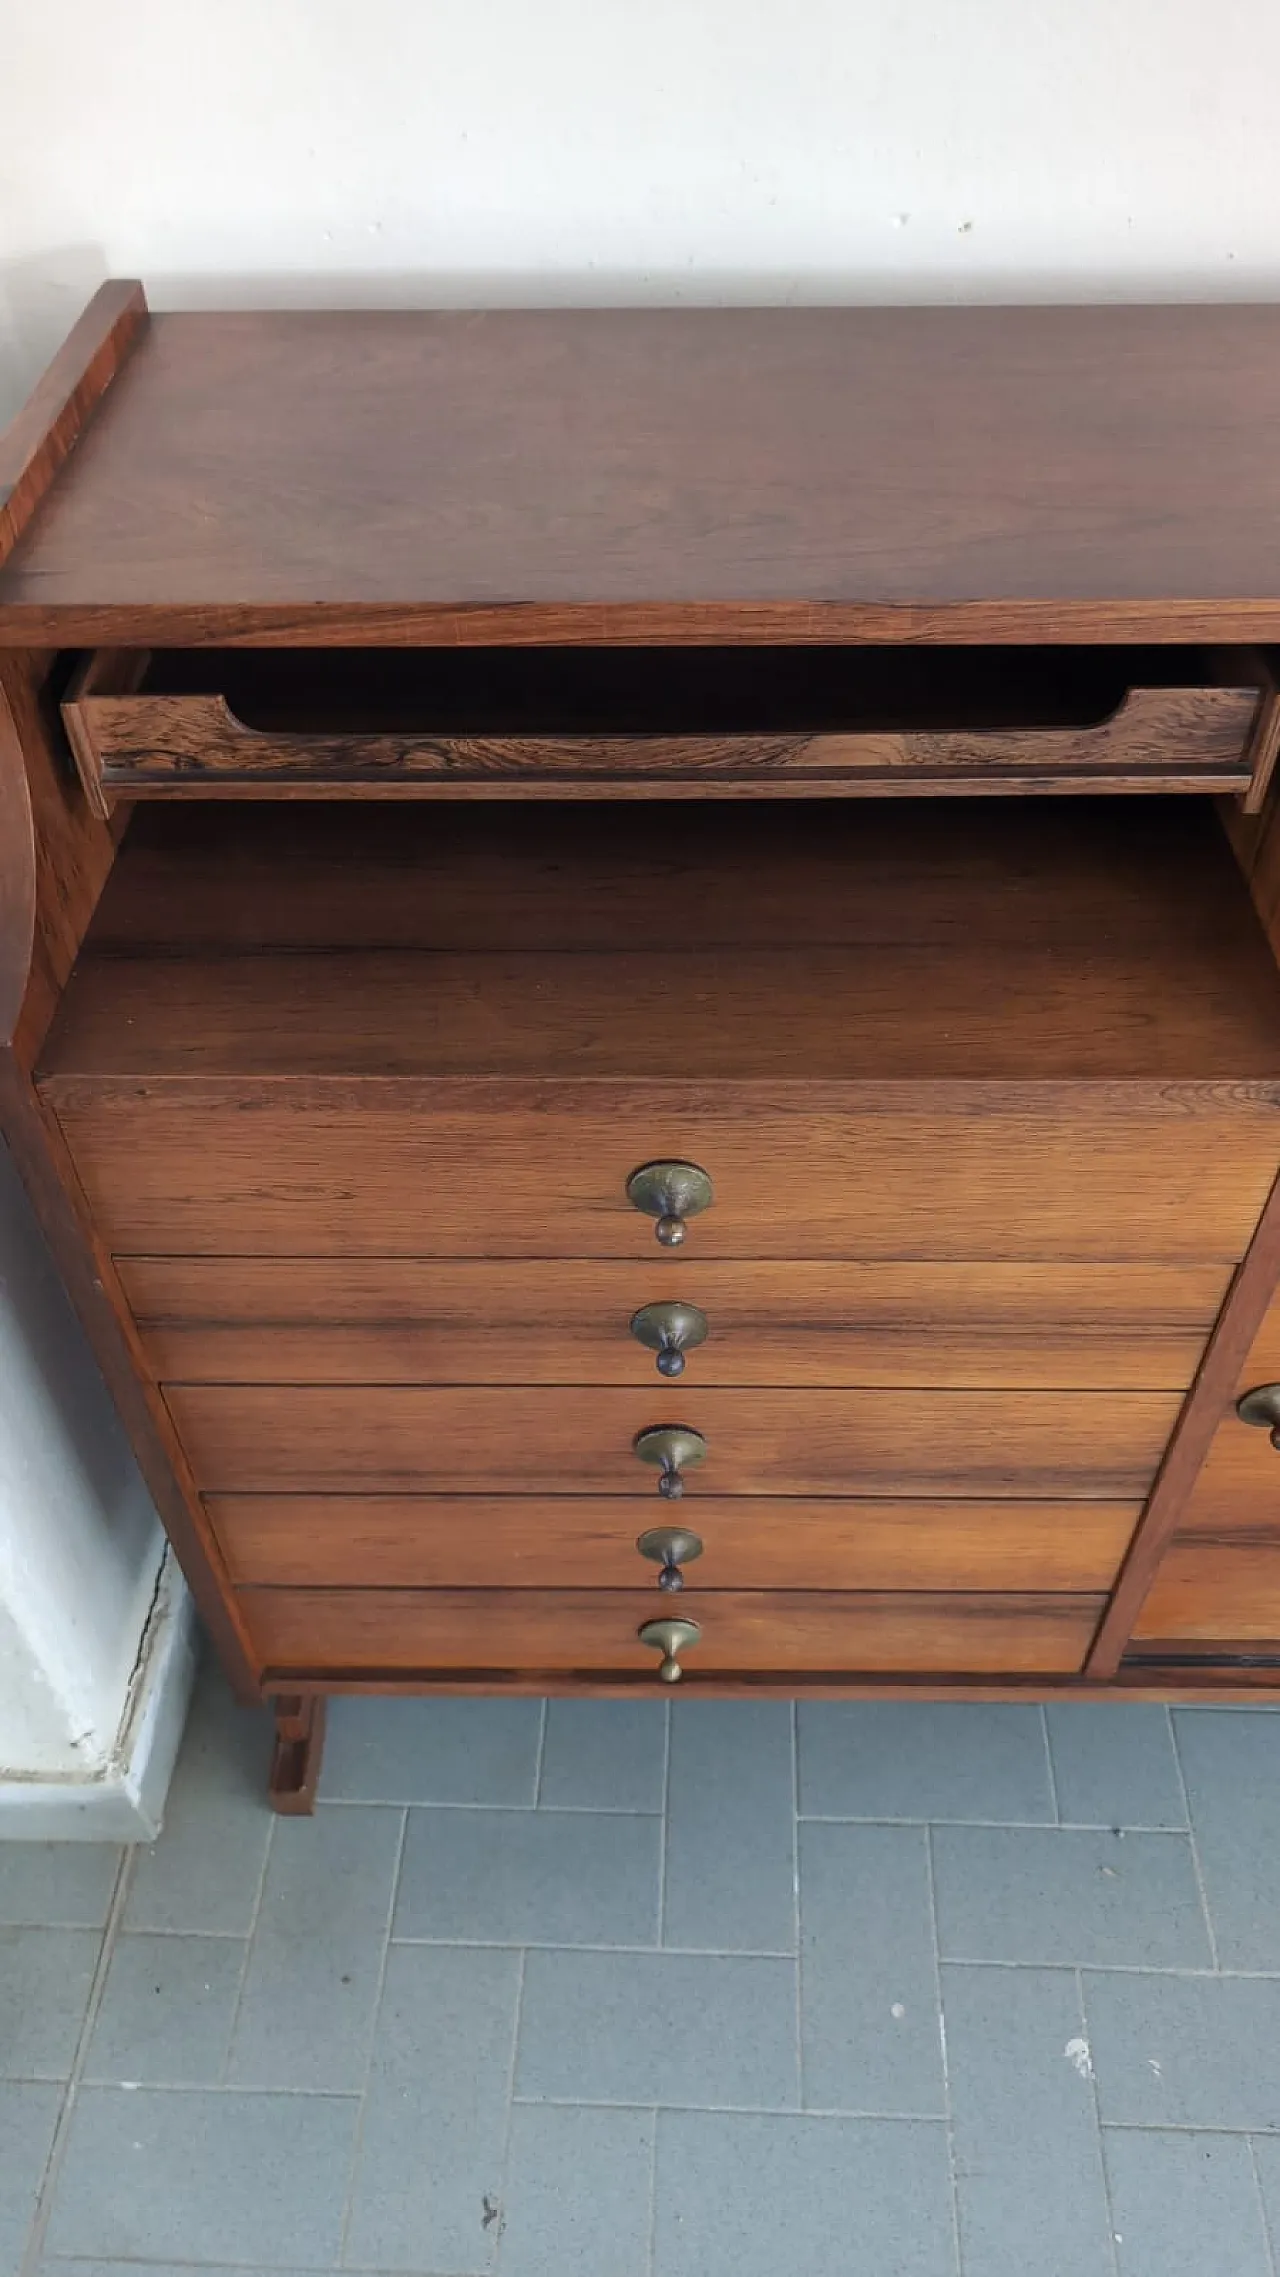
[[402, 1632], [130, 740], [1215, 1589], [519, 1440], [1220, 1577], [392, 1320], [588, 1542], [383, 1168]]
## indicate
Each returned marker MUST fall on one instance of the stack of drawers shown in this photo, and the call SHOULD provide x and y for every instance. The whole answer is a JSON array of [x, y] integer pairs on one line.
[[946, 1200], [878, 1466]]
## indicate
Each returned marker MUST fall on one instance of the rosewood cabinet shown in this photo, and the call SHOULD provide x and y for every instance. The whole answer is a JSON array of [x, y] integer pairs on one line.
[[638, 986]]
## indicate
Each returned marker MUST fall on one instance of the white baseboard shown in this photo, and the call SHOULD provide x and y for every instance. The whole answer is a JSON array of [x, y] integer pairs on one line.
[[124, 1802]]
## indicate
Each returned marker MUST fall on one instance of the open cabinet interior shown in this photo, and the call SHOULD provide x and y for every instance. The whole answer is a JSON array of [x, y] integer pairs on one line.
[[637, 691], [986, 1100], [1064, 940]]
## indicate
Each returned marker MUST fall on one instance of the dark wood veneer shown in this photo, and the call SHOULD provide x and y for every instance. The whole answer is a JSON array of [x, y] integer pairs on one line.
[[329, 1114], [671, 475]]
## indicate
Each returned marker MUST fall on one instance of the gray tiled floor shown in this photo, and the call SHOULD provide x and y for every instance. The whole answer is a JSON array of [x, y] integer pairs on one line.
[[651, 1989]]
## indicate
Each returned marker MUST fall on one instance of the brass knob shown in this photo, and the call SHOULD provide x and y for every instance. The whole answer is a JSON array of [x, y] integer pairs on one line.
[[670, 1547], [670, 1330], [1262, 1407], [670, 1192], [672, 1449], [670, 1638]]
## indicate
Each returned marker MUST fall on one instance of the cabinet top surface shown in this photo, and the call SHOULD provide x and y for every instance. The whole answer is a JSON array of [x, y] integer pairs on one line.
[[785, 474]]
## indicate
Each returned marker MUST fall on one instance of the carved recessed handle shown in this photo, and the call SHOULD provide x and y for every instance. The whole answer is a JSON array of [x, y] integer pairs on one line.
[[672, 1449], [670, 1638], [670, 1330], [1261, 1406], [670, 1547], [671, 1192]]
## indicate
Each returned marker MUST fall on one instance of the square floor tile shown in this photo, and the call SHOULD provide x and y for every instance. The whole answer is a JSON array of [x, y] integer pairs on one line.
[[731, 1832], [203, 1874], [1266, 2159], [740, 2195], [870, 2038], [1114, 1764], [306, 2016], [1185, 2205], [57, 1885], [1066, 1898], [1231, 1763], [431, 1751], [46, 1976], [28, 2118], [1186, 2051], [647, 2028], [1029, 2173], [215, 2177], [530, 1878], [167, 2010], [894, 1759], [579, 2189], [428, 2187], [604, 1755]]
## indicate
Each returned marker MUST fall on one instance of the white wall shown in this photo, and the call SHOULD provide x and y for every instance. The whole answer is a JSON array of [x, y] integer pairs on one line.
[[492, 150], [95, 1654], [80, 1542]]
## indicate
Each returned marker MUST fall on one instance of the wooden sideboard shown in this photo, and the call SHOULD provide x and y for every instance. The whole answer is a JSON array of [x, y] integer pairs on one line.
[[638, 986]]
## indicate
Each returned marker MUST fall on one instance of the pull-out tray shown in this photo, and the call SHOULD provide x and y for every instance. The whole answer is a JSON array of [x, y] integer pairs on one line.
[[645, 722]]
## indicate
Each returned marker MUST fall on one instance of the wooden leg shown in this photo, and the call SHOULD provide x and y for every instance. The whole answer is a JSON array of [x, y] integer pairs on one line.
[[295, 1764]]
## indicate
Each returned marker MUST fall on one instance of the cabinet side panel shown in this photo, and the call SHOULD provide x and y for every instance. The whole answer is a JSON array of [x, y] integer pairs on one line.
[[55, 856], [54, 861], [1205, 1567]]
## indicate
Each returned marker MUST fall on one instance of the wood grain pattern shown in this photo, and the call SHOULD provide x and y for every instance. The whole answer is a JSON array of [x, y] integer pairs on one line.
[[1262, 1362], [55, 857], [1194, 1439], [588, 1542], [518, 1440], [1143, 877], [295, 1761], [565, 1321], [656, 624], [1216, 1588], [116, 669], [734, 474], [1216, 1577], [47, 428], [186, 746], [1194, 1677], [1206, 1675], [419, 1170], [380, 1630], [1098, 991], [1263, 751], [1050, 1050], [1195, 1550], [49, 1176], [1237, 1492], [681, 791], [18, 891], [892, 1013]]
